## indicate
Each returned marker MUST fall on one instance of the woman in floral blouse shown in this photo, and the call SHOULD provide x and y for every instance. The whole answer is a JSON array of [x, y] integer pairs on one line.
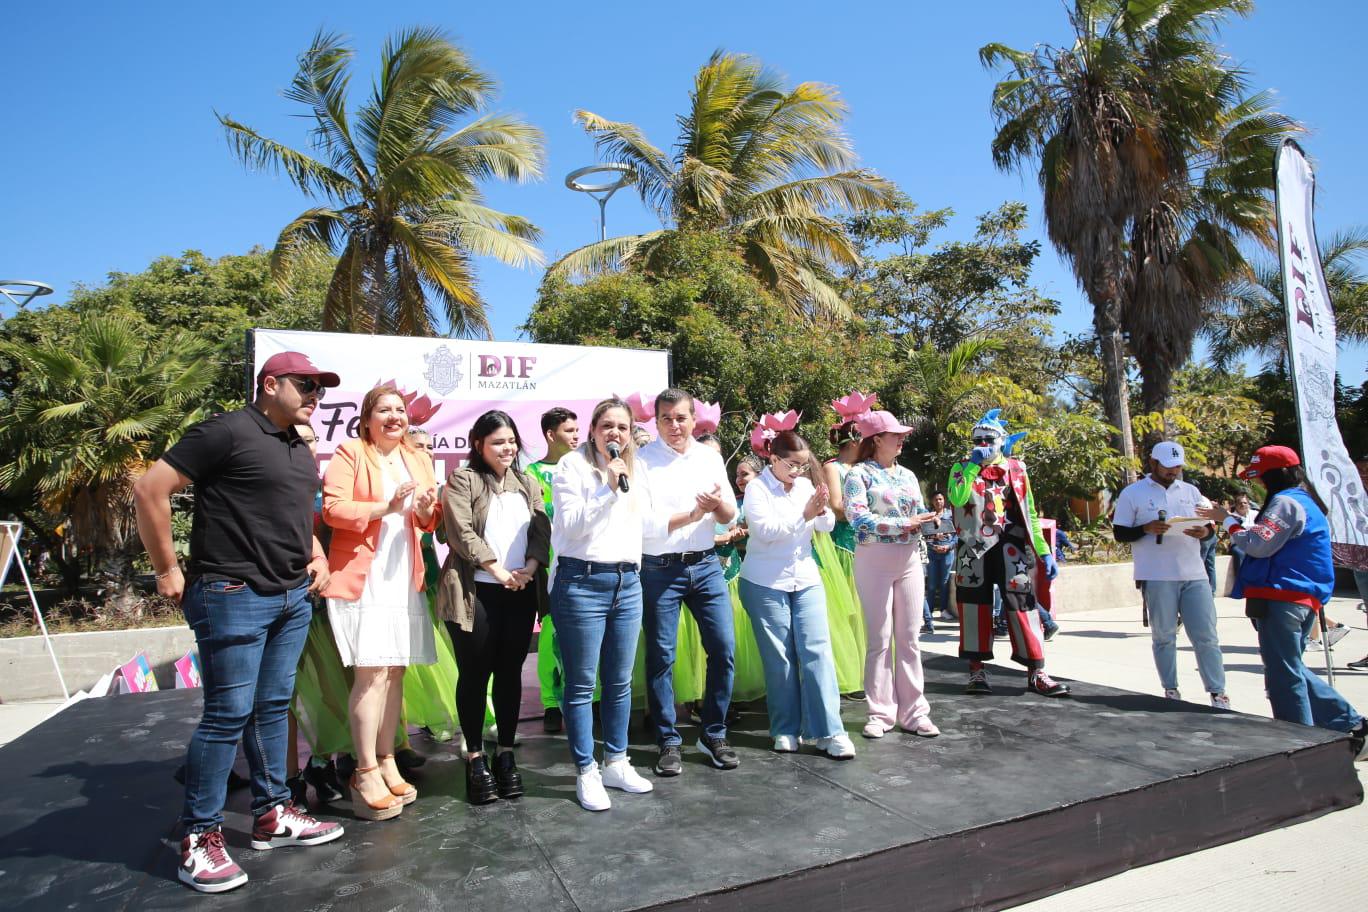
[[883, 502]]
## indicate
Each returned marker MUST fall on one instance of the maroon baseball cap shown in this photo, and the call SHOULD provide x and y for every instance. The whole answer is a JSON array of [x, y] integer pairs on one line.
[[1268, 458], [297, 364]]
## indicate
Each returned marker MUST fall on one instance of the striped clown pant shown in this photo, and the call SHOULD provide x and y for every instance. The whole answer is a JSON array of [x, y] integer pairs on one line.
[[1009, 565]]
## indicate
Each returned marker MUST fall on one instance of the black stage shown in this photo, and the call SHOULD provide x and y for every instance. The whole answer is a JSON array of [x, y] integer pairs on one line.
[[1021, 797]]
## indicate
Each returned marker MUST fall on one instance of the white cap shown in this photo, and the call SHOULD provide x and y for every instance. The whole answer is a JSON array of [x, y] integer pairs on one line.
[[1169, 454]]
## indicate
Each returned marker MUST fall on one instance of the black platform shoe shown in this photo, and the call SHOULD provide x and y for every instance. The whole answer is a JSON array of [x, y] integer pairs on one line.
[[510, 783], [480, 785], [299, 791], [325, 783]]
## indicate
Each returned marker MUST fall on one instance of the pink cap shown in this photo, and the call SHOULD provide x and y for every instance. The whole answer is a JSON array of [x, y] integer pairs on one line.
[[871, 423], [298, 365]]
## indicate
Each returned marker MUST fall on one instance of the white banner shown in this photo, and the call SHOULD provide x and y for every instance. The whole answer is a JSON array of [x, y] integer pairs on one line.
[[1311, 357], [448, 383]]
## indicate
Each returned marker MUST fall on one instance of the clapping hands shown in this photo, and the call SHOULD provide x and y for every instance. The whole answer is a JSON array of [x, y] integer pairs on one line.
[[817, 503]]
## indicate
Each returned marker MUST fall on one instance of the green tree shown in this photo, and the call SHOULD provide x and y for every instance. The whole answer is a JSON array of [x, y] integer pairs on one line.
[[402, 206], [764, 164], [1252, 319], [1110, 117], [729, 339], [1068, 457], [88, 417]]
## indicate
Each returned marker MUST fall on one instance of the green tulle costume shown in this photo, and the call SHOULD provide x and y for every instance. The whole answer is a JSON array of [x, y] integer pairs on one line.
[[845, 621]]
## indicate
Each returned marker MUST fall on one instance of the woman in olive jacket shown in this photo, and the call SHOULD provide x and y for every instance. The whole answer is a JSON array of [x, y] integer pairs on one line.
[[492, 586]]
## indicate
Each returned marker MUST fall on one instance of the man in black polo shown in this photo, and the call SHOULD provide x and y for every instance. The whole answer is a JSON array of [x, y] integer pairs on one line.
[[244, 592]]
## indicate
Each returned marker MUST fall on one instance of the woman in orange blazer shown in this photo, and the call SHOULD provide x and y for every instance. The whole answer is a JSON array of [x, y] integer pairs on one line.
[[379, 496]]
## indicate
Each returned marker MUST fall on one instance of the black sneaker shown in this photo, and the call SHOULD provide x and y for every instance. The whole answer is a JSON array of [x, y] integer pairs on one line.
[[552, 720], [481, 787], [323, 778], [299, 791], [506, 777], [1051, 631], [670, 762], [927, 630], [1041, 683], [1360, 665], [978, 683], [719, 752]]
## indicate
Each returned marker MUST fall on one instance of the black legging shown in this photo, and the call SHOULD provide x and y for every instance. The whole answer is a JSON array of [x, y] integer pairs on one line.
[[496, 646]]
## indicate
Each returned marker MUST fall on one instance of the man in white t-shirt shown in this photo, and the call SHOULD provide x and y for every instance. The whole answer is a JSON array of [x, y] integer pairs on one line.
[[1169, 568]]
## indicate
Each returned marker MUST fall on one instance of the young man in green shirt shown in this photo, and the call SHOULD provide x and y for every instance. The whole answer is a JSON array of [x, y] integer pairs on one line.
[[560, 429]]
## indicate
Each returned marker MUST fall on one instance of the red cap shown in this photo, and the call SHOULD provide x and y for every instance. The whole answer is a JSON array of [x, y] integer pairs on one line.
[[298, 365], [1268, 458]]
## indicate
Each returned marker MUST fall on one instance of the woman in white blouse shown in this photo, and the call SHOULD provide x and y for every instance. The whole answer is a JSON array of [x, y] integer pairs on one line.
[[782, 592], [602, 508], [498, 532]]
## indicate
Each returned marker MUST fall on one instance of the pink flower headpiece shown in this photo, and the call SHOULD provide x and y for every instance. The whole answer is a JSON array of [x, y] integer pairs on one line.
[[642, 406], [420, 409], [854, 405], [770, 426], [707, 417]]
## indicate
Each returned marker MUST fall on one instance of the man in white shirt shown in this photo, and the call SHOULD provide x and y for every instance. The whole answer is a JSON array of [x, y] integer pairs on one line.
[[682, 567], [1170, 570]]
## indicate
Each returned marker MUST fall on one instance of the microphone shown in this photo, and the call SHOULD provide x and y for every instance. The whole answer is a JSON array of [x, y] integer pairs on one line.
[[1159, 539], [615, 451]]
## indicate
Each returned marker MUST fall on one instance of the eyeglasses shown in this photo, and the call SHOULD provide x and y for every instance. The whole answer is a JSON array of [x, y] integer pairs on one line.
[[985, 441], [306, 385], [799, 468]]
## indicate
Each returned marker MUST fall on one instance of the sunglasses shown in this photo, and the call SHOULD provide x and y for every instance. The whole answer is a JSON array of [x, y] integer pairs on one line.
[[985, 441], [306, 385]]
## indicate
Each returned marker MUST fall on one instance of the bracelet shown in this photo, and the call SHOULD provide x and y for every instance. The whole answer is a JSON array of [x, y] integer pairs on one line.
[[167, 573]]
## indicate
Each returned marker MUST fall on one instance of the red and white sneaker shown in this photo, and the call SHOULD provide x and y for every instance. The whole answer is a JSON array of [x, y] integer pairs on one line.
[[286, 825], [205, 864]]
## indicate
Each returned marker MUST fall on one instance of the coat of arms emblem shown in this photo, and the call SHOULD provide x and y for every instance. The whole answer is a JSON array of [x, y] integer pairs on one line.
[[443, 372]]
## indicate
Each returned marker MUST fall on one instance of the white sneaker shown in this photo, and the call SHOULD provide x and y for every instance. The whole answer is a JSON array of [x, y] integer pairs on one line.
[[785, 744], [620, 774], [205, 864], [1172, 693], [1220, 701], [874, 729], [837, 747], [589, 789], [923, 728]]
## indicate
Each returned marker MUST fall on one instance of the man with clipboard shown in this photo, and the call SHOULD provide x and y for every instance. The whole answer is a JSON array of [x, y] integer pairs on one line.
[[1157, 516]]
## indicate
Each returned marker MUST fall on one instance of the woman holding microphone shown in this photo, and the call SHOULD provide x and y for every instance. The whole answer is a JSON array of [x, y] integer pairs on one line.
[[601, 509], [883, 502], [379, 496]]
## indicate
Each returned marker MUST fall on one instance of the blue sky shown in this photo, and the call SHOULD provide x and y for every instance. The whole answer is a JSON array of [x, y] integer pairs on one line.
[[112, 155]]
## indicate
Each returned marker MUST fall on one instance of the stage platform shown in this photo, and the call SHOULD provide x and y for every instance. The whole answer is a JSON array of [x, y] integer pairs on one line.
[[1021, 797]]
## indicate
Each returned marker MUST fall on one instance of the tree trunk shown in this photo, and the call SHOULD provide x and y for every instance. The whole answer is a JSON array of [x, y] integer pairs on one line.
[[114, 581], [1115, 391], [1155, 392]]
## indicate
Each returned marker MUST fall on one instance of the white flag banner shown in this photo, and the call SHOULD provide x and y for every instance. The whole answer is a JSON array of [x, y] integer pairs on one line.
[[448, 383], [1311, 354]]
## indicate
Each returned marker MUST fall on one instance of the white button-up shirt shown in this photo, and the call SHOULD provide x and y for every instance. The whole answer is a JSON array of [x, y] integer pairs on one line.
[[594, 521], [1179, 557], [779, 544], [676, 479]]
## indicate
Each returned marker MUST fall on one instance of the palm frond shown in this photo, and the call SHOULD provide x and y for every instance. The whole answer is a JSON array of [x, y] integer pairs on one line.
[[603, 256], [262, 154]]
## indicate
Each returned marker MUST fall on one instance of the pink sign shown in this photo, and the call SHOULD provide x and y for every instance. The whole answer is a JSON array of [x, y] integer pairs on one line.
[[188, 671], [135, 676]]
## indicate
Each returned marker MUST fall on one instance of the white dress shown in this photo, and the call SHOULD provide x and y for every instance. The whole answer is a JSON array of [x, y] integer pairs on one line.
[[389, 623]]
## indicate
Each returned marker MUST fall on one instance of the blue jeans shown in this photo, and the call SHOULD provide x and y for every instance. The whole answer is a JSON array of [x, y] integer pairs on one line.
[[1208, 551], [937, 582], [795, 648], [1166, 599], [1294, 691], [249, 646], [703, 588], [597, 612]]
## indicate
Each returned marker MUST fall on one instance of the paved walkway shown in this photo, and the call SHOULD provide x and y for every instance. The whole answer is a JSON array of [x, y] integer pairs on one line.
[[1320, 864]]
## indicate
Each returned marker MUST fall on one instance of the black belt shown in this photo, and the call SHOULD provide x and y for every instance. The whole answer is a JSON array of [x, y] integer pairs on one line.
[[599, 566], [679, 557]]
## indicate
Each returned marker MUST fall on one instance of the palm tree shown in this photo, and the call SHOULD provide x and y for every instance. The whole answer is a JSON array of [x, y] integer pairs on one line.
[[1111, 119], [400, 185], [1186, 250], [1252, 318], [760, 162], [87, 419]]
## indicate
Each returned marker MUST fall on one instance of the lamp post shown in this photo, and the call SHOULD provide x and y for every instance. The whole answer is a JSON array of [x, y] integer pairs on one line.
[[601, 190], [21, 291]]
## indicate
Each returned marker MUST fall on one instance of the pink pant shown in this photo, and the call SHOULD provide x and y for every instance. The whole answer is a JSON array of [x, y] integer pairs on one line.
[[890, 583]]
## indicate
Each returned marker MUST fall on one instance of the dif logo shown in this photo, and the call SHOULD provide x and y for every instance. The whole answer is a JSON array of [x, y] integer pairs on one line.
[[505, 372]]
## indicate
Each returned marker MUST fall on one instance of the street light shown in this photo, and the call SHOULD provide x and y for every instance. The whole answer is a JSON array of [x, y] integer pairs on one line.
[[21, 291], [602, 191]]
